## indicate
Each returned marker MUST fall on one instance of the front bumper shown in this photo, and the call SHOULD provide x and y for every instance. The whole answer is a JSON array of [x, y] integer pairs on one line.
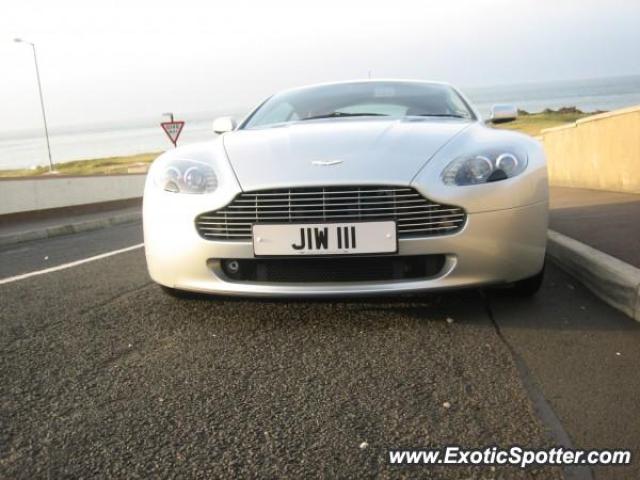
[[494, 247]]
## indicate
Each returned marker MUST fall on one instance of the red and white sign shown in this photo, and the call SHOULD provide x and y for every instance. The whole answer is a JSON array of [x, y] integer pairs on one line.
[[172, 129]]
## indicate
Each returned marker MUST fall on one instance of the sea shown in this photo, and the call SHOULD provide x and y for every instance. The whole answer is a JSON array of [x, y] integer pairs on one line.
[[28, 150]]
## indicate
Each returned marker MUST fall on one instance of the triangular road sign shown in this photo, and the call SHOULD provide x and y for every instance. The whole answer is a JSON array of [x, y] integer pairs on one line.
[[172, 129]]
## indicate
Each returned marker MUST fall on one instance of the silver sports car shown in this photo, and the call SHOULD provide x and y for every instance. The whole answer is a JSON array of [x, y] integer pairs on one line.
[[353, 188]]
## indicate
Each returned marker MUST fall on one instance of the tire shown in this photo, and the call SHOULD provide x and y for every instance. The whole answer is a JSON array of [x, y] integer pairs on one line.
[[528, 287], [175, 293]]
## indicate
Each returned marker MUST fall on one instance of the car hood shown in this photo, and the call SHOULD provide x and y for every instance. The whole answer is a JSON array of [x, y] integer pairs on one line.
[[345, 151]]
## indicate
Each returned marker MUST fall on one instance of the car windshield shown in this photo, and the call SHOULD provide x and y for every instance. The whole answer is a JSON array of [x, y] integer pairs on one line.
[[360, 99]]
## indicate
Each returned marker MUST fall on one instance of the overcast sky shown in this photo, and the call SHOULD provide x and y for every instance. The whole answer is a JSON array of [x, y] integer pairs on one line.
[[117, 61]]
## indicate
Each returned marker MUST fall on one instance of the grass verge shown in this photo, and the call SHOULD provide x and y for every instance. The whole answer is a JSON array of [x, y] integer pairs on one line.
[[97, 166], [533, 123]]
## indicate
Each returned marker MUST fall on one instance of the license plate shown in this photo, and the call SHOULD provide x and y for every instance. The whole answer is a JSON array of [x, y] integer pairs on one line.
[[325, 238]]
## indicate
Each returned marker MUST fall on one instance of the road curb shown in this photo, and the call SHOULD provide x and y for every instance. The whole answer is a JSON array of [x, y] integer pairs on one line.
[[65, 229], [611, 279]]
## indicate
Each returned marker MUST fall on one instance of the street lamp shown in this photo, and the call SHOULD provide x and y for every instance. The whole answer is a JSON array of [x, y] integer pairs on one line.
[[44, 116]]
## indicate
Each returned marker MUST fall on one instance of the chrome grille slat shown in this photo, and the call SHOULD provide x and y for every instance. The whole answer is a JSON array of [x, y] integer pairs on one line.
[[294, 206], [329, 192], [414, 215], [430, 229], [246, 228], [439, 222], [285, 200], [407, 216], [272, 218], [361, 203], [238, 236], [282, 218], [285, 215], [234, 224], [272, 212]]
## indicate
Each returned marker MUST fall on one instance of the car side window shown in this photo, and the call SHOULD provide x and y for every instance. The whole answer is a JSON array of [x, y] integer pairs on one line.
[[284, 112], [457, 105]]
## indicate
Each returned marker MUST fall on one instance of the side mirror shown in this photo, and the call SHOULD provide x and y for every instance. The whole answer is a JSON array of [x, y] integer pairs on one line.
[[224, 124], [503, 113]]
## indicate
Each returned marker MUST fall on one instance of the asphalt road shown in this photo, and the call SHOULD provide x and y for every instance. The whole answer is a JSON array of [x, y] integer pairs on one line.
[[103, 375]]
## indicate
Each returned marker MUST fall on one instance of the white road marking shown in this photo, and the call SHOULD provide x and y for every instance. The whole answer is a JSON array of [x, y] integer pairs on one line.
[[64, 266], [17, 250]]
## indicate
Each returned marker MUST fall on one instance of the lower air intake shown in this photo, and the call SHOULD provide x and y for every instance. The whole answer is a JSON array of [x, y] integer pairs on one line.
[[333, 269]]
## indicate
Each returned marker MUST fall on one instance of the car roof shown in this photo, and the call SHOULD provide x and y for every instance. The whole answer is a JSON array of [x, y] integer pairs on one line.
[[366, 80]]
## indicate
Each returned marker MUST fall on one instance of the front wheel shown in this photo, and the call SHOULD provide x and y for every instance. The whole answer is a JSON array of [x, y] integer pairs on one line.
[[527, 287], [175, 293]]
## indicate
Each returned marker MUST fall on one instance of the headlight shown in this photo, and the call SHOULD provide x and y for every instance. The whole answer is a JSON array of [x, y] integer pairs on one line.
[[484, 167], [185, 176]]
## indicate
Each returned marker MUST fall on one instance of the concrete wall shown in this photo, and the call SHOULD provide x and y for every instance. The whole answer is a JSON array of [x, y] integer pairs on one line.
[[600, 152], [38, 193]]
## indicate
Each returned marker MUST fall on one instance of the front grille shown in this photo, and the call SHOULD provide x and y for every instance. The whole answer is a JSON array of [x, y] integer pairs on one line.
[[334, 269], [415, 215]]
